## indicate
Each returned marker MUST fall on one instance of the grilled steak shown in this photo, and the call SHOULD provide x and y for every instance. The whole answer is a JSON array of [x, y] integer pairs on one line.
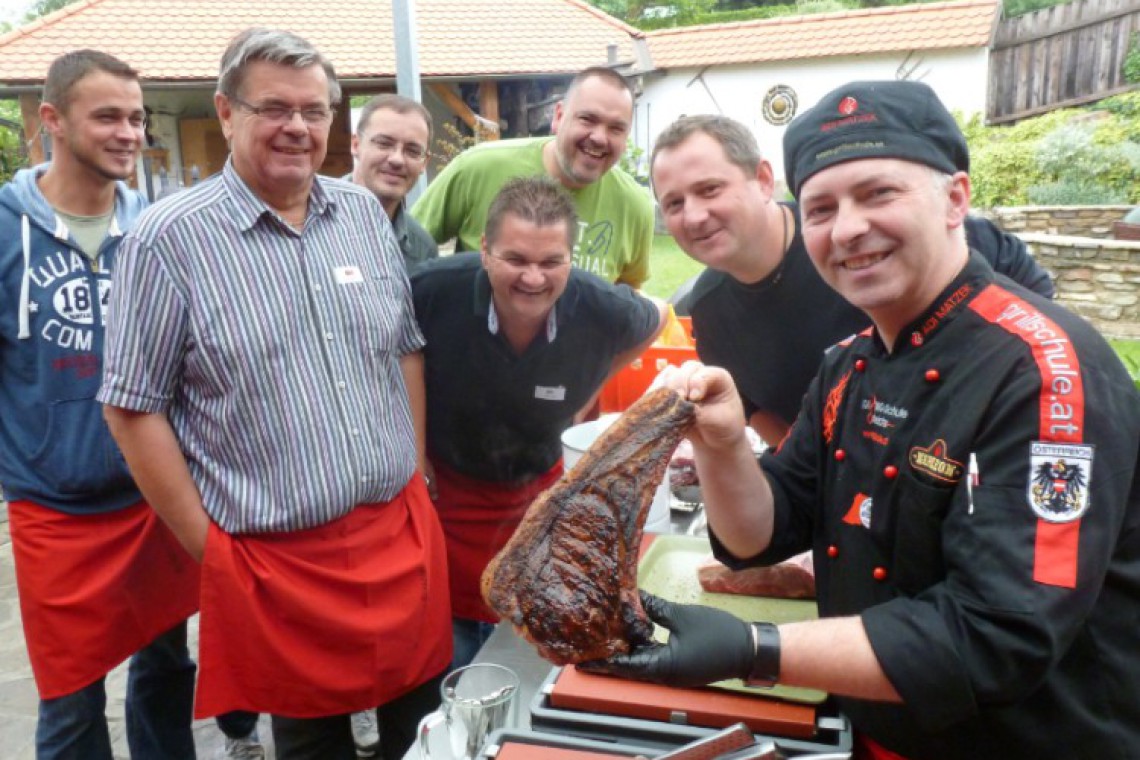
[[567, 579]]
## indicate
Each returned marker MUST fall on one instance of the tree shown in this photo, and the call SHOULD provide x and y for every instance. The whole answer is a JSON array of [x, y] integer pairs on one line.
[[44, 7], [12, 154]]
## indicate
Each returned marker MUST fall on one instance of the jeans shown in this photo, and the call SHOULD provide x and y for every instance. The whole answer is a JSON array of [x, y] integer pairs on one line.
[[159, 707], [331, 738], [468, 637], [237, 724]]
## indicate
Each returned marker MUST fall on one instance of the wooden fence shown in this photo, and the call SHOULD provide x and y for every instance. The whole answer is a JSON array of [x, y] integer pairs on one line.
[[1062, 56]]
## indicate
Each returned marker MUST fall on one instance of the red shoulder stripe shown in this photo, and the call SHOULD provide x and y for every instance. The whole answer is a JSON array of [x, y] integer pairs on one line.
[[1062, 414]]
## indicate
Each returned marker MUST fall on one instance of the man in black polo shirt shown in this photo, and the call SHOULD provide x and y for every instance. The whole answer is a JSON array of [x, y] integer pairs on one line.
[[761, 310], [517, 344]]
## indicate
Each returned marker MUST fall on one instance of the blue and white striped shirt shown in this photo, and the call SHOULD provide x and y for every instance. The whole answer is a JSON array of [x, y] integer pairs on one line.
[[274, 353]]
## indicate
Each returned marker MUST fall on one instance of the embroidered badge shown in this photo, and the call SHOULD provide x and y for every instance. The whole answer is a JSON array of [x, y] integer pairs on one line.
[[860, 511], [831, 407], [1060, 475], [935, 462]]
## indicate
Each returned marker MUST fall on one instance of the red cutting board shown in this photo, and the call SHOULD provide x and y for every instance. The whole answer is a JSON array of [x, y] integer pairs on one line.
[[709, 708], [521, 751]]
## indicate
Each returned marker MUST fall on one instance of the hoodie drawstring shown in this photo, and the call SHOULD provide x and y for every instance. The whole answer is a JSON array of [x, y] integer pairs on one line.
[[25, 305]]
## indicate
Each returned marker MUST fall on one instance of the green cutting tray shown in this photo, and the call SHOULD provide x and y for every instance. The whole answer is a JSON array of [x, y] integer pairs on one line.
[[668, 569]]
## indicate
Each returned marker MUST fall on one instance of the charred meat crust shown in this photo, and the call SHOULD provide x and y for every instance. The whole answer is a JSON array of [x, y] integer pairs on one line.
[[567, 579]]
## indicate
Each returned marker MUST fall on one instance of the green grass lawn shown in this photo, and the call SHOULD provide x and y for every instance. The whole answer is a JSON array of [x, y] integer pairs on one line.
[[1129, 353], [668, 267]]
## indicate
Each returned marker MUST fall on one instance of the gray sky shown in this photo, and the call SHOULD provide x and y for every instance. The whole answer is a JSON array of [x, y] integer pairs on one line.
[[13, 10]]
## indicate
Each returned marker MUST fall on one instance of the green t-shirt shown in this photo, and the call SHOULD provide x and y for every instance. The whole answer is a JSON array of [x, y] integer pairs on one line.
[[615, 213]]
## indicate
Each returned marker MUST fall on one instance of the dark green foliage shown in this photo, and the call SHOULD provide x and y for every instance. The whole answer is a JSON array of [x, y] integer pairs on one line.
[[12, 156], [1011, 8], [1131, 66], [663, 14], [1066, 157]]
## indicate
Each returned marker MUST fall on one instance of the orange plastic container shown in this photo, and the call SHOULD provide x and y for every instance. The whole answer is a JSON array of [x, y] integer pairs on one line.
[[628, 384]]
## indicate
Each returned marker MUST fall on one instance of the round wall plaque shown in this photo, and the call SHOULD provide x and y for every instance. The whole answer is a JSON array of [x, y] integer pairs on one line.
[[780, 105]]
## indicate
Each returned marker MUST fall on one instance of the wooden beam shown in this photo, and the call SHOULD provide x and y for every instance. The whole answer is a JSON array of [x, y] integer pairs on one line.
[[489, 105], [30, 114], [1070, 103], [483, 127], [452, 100]]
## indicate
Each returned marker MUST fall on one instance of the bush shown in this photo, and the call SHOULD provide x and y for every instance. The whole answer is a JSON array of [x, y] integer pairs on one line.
[[12, 155], [1011, 8], [1001, 172], [450, 141], [1126, 106], [1131, 66], [1089, 160], [696, 17], [1069, 192], [633, 162], [1069, 156], [12, 158]]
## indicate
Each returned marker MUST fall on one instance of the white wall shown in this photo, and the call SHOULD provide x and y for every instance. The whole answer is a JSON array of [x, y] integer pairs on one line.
[[959, 77]]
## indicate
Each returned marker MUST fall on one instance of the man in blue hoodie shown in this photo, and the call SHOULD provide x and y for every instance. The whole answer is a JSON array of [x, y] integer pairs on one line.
[[100, 577]]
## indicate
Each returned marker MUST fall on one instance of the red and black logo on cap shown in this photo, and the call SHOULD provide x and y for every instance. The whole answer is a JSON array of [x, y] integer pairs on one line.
[[848, 106]]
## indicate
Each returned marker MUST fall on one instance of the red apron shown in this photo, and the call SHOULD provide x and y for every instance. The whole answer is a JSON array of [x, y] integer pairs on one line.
[[478, 519], [867, 748], [94, 589], [330, 620]]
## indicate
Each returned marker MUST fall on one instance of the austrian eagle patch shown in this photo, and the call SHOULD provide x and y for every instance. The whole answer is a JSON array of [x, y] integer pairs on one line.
[[1060, 475]]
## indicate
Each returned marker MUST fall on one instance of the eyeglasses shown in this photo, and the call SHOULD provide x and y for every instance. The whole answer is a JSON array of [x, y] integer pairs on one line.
[[411, 152], [276, 113], [519, 264]]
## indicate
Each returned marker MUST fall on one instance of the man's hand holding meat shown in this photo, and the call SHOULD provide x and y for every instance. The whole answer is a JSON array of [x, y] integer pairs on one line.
[[704, 644], [737, 498]]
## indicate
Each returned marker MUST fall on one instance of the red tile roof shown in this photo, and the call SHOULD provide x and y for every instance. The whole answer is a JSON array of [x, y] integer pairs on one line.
[[898, 28], [184, 39]]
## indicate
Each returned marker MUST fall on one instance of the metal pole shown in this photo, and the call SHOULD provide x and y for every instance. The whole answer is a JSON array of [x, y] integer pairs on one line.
[[407, 65]]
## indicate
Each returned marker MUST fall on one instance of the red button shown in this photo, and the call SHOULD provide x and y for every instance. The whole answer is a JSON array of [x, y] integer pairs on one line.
[[860, 365], [933, 376], [833, 551], [880, 573], [840, 455], [890, 471], [916, 339]]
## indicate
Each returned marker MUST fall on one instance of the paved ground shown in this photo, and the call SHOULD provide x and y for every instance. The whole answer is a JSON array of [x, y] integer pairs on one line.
[[18, 693]]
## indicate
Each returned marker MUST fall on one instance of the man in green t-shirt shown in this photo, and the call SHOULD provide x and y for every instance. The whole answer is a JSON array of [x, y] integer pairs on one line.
[[590, 126]]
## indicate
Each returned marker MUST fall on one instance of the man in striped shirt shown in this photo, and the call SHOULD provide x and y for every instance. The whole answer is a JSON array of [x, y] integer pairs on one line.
[[267, 392]]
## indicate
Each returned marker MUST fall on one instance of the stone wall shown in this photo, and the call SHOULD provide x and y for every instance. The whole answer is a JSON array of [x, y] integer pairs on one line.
[[1098, 279], [1081, 221]]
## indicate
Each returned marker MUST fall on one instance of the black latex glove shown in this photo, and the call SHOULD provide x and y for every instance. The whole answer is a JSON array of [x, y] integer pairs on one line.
[[705, 645]]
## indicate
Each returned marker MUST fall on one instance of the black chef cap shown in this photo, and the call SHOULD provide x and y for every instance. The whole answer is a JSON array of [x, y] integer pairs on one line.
[[886, 119]]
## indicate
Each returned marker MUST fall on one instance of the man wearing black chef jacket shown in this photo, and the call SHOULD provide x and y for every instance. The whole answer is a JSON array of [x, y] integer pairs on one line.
[[965, 473]]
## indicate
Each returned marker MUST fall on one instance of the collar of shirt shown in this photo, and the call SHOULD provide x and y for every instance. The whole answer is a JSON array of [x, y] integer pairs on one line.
[[249, 208], [400, 225], [973, 278], [485, 304]]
